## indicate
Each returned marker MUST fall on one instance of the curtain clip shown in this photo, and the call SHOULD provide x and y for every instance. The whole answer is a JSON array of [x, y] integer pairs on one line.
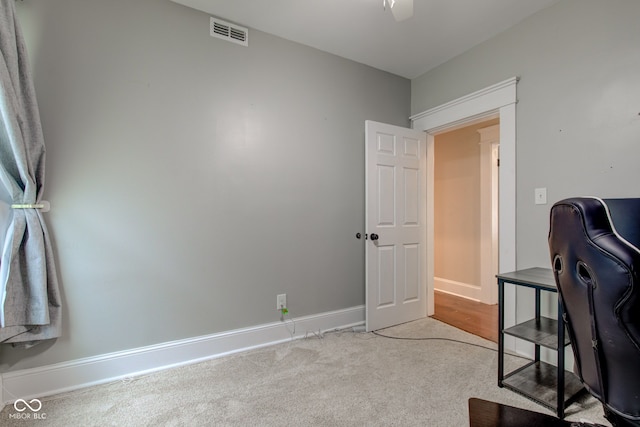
[[44, 206]]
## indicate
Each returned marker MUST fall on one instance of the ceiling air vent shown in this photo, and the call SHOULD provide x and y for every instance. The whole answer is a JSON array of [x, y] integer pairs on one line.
[[229, 32]]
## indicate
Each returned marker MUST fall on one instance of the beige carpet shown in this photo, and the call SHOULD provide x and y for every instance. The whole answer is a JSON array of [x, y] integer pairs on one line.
[[341, 379]]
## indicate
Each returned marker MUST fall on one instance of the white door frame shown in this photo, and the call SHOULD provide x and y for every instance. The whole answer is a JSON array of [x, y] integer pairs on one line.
[[499, 99], [489, 191]]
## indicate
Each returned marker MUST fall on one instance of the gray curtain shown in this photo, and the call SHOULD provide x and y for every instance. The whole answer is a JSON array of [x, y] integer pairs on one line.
[[30, 298]]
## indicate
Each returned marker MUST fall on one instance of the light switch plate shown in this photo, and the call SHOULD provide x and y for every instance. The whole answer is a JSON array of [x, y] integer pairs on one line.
[[540, 196]]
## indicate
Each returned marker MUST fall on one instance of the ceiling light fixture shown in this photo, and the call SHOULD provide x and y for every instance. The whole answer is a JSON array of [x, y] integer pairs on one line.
[[401, 9]]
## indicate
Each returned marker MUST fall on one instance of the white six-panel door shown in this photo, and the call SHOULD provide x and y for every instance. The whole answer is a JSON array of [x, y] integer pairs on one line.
[[396, 225]]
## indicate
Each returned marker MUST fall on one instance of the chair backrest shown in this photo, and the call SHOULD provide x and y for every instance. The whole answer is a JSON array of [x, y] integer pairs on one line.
[[597, 273]]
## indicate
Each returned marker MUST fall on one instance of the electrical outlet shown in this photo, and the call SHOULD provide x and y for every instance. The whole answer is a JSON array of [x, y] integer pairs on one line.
[[281, 301]]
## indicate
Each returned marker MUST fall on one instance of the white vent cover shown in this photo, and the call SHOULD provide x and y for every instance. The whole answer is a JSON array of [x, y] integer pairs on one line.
[[229, 32]]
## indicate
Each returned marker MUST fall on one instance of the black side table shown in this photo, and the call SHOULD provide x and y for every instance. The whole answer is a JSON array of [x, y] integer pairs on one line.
[[550, 386]]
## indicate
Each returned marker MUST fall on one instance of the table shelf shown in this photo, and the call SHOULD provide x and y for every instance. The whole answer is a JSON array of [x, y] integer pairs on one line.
[[543, 332], [538, 381]]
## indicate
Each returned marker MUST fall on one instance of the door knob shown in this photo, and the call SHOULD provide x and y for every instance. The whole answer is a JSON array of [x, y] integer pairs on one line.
[[374, 236]]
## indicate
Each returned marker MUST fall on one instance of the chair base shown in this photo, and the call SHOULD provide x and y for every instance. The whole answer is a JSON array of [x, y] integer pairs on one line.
[[618, 420]]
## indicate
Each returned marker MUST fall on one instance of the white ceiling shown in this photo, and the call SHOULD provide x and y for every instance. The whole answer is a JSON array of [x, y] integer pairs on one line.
[[363, 31]]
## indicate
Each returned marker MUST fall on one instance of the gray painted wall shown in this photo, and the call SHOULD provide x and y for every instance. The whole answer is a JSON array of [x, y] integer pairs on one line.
[[578, 115], [191, 179], [578, 122]]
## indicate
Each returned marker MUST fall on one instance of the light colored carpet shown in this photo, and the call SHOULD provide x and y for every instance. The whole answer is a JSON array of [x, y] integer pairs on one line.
[[342, 379]]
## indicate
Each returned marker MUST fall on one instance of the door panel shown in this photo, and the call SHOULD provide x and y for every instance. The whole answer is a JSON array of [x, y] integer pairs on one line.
[[411, 200], [412, 272], [396, 213], [386, 196], [386, 276]]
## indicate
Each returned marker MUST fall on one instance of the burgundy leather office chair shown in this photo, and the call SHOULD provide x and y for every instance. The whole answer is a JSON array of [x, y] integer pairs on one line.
[[594, 252]]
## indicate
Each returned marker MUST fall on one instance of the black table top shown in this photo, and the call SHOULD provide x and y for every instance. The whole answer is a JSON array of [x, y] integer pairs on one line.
[[483, 413], [535, 277]]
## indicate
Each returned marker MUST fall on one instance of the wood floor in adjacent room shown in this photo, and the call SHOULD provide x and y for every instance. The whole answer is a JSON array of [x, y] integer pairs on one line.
[[470, 316]]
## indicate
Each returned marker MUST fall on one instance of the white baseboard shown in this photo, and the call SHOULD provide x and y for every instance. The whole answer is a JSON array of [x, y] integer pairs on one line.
[[461, 289], [72, 375]]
